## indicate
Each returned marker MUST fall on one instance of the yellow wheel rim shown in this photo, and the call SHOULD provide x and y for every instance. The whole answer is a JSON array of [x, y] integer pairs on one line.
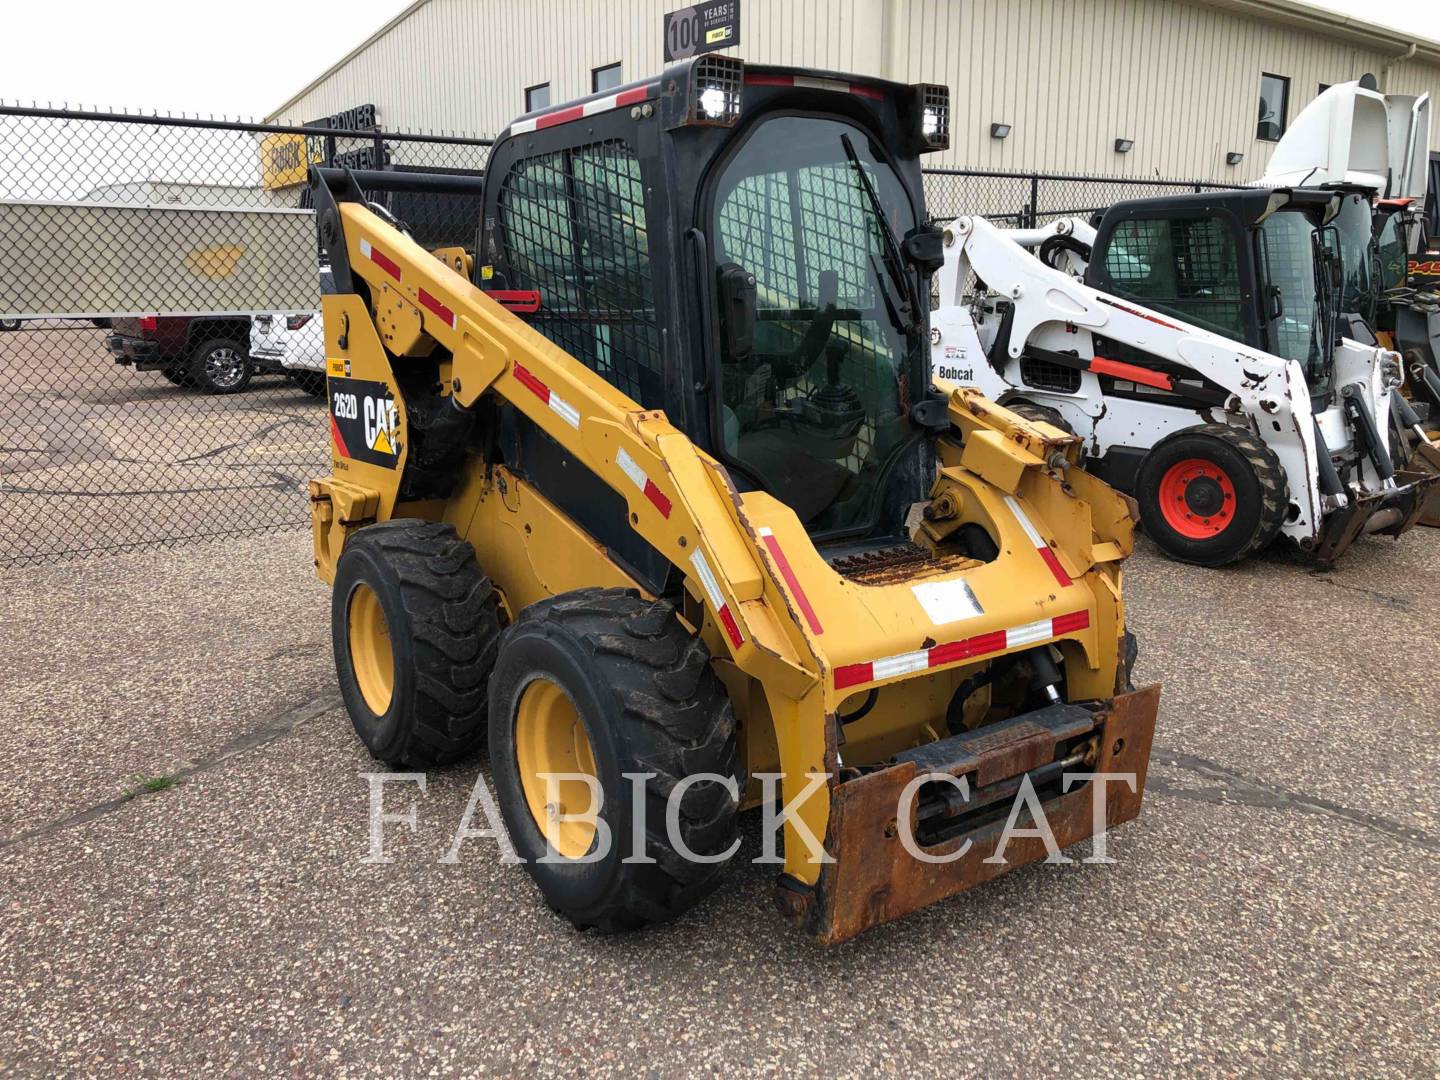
[[549, 738], [370, 654]]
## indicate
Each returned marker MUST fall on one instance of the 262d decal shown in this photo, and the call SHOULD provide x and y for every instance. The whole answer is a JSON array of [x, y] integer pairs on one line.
[[364, 423]]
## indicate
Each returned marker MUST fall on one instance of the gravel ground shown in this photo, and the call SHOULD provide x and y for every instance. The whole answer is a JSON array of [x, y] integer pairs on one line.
[[1275, 910]]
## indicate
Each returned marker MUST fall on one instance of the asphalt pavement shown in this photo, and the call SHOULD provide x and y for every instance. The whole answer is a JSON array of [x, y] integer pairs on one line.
[[1275, 910]]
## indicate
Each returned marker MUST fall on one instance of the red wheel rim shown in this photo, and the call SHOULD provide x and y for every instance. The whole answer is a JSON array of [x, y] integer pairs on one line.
[[1197, 499]]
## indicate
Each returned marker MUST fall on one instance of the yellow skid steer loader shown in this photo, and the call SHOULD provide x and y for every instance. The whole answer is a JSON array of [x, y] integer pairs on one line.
[[655, 495]]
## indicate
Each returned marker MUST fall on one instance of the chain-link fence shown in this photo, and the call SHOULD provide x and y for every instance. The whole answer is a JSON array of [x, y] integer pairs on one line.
[[1025, 200], [161, 353], [161, 357]]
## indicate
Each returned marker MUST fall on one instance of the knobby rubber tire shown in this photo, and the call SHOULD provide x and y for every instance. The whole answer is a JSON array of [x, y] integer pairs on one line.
[[1253, 470], [442, 615], [650, 702]]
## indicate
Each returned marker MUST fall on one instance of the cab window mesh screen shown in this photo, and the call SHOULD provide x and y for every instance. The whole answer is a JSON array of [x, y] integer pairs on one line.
[[1186, 266], [805, 233], [572, 226], [836, 232]]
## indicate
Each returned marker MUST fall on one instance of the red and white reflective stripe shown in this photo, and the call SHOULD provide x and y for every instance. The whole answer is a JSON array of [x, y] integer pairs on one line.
[[559, 405], [1138, 314], [1046, 552], [379, 258], [966, 648], [772, 545], [632, 96], [435, 307], [631, 468], [809, 82], [717, 598]]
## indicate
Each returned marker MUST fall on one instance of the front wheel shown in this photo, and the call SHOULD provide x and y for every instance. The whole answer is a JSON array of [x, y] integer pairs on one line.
[[1211, 495], [613, 691], [219, 366]]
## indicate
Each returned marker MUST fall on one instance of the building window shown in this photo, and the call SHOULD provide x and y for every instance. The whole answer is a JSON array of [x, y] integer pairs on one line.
[[1274, 106], [605, 78], [537, 97]]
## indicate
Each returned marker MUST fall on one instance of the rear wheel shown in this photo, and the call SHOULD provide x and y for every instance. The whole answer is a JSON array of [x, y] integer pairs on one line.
[[219, 366], [415, 631], [1211, 495], [600, 683]]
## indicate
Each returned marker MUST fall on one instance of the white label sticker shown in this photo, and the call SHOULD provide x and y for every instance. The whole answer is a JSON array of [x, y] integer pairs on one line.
[[947, 601]]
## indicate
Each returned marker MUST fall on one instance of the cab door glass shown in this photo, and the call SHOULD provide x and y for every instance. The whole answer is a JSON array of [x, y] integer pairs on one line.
[[1291, 269], [818, 403]]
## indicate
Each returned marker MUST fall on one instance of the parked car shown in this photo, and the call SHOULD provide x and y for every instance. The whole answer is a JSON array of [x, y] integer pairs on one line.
[[295, 340], [210, 353]]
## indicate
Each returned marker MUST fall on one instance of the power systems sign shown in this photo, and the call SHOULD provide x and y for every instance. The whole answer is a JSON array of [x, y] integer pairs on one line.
[[702, 28], [286, 157]]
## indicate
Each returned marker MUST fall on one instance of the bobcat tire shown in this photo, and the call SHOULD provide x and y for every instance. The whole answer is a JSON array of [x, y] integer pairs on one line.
[[1211, 495], [1042, 413], [602, 683], [415, 628]]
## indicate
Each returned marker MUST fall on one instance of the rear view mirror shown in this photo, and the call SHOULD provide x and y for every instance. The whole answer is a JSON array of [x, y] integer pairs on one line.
[[737, 310], [925, 247]]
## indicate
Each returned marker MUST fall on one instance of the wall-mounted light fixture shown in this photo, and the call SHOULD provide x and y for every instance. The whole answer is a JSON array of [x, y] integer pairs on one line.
[[1234, 157], [999, 131], [1124, 146]]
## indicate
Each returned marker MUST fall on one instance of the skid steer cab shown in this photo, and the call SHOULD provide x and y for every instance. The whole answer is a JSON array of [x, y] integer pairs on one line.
[[1206, 348], [652, 492]]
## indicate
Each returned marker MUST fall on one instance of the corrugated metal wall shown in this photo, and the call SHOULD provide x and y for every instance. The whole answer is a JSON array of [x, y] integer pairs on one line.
[[1071, 76]]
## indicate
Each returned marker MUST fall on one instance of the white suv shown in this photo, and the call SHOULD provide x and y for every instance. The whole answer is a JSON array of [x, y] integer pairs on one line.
[[296, 340]]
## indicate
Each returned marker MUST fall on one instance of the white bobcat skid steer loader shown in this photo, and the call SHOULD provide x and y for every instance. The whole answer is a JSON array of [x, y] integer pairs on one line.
[[1134, 338]]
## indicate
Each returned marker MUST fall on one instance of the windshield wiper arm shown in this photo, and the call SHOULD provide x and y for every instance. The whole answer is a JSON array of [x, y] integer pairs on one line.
[[891, 258]]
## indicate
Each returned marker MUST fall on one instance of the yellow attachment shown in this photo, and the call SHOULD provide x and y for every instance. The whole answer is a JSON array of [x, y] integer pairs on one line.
[[989, 455], [370, 652], [550, 740]]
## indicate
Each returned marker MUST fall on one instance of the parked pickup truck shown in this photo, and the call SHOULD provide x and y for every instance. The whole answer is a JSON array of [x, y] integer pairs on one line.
[[210, 353]]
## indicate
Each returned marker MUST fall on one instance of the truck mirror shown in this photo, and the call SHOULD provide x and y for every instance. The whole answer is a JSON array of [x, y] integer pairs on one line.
[[737, 310]]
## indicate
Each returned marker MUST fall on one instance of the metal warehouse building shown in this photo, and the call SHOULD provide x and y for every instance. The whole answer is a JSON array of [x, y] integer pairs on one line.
[[1189, 83]]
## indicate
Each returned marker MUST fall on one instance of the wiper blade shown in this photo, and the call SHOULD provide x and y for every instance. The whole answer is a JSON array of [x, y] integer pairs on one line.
[[890, 257]]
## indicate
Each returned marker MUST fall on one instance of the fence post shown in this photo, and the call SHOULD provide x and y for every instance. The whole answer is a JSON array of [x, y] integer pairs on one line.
[[1034, 202]]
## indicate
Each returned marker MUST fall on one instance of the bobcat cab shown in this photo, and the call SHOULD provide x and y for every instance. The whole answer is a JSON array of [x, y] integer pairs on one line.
[[670, 494]]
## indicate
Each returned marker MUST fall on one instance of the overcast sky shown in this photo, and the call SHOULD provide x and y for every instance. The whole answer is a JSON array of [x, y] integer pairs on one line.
[[245, 58]]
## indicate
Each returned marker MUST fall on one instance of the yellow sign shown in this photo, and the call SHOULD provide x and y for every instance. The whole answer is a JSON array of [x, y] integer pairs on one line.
[[285, 160]]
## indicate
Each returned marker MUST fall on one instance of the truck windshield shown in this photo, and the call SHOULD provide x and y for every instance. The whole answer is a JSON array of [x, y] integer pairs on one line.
[[1291, 258], [817, 410]]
